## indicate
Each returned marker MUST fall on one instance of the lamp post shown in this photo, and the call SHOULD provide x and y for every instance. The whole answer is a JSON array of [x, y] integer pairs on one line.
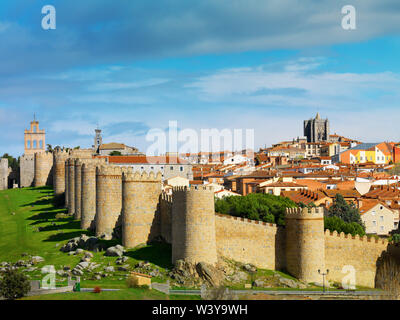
[[323, 278]]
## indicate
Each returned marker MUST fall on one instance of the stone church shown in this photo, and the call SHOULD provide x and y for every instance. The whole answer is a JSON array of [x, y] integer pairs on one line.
[[316, 129]]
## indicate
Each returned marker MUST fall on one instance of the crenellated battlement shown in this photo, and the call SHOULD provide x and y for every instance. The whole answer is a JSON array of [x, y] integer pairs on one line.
[[44, 155], [357, 237], [166, 197], [247, 221], [109, 170], [304, 213], [129, 175], [192, 189]]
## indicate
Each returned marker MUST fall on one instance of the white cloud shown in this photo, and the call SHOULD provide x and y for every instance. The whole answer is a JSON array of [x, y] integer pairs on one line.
[[295, 85]]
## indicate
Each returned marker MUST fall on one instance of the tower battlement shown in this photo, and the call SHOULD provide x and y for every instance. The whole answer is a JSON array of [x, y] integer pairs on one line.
[[130, 175], [192, 189], [304, 213], [109, 170]]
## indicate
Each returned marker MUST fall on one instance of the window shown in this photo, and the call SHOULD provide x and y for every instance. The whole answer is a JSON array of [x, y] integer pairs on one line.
[[382, 229], [28, 144], [34, 144], [374, 223], [373, 212], [381, 217], [41, 144], [142, 168], [381, 207], [181, 168], [171, 168], [270, 191], [152, 168]]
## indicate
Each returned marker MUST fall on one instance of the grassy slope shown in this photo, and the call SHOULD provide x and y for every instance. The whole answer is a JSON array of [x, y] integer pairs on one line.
[[33, 209]]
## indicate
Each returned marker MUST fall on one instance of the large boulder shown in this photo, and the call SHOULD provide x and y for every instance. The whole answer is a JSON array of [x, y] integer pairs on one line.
[[209, 274], [116, 251]]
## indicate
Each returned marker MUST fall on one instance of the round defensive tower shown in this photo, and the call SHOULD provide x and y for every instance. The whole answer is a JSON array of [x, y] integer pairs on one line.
[[88, 193], [193, 225], [140, 199], [43, 169], [108, 200], [305, 243], [66, 183], [78, 188], [71, 186], [59, 172]]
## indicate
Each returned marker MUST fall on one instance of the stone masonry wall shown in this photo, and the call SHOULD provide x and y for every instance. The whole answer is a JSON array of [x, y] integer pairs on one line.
[[71, 186], [360, 252], [248, 241], [27, 170], [140, 210], [88, 192], [166, 217], [78, 188], [3, 174], [305, 250], [108, 200], [43, 169], [193, 225], [59, 171]]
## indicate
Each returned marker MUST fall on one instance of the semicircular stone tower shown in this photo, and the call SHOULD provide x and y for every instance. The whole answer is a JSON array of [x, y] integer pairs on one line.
[[305, 243], [78, 188], [193, 225], [43, 169], [140, 212], [59, 172], [88, 193], [71, 186], [108, 200]]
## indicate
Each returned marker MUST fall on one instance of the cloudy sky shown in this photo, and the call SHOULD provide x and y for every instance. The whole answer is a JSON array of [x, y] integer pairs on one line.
[[132, 66]]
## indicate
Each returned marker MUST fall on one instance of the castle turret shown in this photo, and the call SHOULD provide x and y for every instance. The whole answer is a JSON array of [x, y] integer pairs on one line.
[[193, 225], [43, 169], [59, 171], [71, 186], [305, 243], [140, 212], [108, 200]]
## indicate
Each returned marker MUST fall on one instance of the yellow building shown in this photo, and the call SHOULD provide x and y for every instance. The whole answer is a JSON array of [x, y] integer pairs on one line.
[[376, 153]]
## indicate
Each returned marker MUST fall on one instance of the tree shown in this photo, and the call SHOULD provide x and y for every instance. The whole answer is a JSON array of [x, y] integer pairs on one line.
[[115, 153], [49, 148], [256, 206], [345, 211], [337, 224], [14, 285]]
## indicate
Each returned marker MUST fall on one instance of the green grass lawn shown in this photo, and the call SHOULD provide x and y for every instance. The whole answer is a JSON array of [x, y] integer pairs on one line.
[[124, 294]]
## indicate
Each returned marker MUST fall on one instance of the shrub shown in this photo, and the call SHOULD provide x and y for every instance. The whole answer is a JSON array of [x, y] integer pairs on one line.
[[14, 285]]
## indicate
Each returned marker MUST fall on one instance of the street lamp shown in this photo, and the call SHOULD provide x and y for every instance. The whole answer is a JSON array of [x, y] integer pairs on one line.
[[323, 278]]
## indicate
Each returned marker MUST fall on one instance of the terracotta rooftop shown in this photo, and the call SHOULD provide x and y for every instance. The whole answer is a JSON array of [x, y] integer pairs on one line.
[[345, 193], [304, 196]]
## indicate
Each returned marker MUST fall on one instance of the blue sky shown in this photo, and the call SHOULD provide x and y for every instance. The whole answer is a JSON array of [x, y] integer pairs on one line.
[[132, 66]]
